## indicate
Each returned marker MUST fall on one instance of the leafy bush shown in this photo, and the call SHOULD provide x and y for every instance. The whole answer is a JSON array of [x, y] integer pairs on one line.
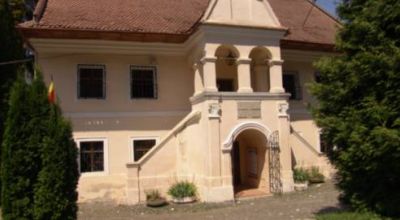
[[358, 106], [300, 175], [182, 189], [315, 176]]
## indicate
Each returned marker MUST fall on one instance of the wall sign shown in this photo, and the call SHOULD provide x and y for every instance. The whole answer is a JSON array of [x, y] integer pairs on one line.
[[249, 110]]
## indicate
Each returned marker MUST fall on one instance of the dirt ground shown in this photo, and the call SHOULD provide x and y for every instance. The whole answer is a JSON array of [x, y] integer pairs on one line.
[[298, 205]]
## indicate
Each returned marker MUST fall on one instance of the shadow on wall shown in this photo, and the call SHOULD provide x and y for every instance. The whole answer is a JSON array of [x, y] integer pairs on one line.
[[301, 117], [294, 162]]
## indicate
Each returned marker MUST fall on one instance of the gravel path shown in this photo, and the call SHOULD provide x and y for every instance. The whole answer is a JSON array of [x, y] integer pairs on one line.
[[297, 205]]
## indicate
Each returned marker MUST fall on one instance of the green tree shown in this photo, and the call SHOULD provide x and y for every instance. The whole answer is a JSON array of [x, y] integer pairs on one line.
[[359, 104], [38, 167], [11, 13], [10, 50], [55, 191], [25, 128], [22, 10]]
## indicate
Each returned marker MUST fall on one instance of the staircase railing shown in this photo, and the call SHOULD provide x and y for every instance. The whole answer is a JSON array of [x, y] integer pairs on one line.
[[183, 123], [305, 142]]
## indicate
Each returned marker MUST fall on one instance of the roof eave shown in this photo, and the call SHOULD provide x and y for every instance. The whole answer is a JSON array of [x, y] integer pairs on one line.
[[308, 46], [34, 32]]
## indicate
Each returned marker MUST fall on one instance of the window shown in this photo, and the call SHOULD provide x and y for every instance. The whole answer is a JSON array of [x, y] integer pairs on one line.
[[225, 85], [291, 84], [143, 82], [91, 82], [141, 147], [91, 156], [317, 76]]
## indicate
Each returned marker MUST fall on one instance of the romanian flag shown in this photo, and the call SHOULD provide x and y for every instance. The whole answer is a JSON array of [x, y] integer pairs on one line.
[[52, 93]]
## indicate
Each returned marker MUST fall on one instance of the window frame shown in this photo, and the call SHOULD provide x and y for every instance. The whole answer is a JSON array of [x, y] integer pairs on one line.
[[132, 146], [105, 171], [78, 81], [155, 81], [297, 85]]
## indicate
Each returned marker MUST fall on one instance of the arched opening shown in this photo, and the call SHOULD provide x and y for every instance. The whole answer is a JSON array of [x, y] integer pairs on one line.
[[226, 68], [250, 169], [260, 79]]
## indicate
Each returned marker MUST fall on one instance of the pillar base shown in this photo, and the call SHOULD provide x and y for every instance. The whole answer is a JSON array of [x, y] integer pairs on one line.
[[245, 90], [287, 181], [277, 90], [211, 89]]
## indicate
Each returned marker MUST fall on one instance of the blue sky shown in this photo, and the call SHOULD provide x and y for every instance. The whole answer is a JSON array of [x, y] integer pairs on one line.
[[328, 5]]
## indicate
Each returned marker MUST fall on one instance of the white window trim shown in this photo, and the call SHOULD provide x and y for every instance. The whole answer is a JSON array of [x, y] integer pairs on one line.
[[132, 146], [105, 156], [155, 82], [93, 66]]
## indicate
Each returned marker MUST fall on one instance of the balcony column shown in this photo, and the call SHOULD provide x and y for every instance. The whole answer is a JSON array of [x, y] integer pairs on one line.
[[285, 149], [209, 74], [244, 75], [276, 76], [198, 78]]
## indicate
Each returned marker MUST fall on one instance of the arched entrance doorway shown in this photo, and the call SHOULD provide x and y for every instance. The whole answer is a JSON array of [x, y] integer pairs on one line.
[[250, 163]]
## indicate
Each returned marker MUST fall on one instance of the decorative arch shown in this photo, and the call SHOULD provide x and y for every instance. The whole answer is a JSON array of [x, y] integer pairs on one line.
[[238, 129], [260, 69], [260, 52], [224, 49]]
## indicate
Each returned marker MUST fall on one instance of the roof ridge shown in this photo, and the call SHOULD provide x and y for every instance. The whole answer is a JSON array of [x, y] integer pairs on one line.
[[39, 10]]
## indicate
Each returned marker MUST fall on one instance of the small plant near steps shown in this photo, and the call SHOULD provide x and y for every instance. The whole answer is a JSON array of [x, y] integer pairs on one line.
[[300, 177], [154, 199], [303, 177], [183, 192]]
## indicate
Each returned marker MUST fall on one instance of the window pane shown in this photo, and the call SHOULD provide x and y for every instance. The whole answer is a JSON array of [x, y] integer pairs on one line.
[[92, 156], [141, 147], [91, 82], [289, 83], [143, 83]]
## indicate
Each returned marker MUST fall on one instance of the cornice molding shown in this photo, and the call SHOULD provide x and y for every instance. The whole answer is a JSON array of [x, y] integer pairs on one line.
[[238, 96], [103, 46]]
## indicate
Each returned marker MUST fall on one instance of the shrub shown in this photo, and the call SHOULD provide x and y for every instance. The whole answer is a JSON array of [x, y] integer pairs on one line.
[[55, 191], [300, 175], [39, 169], [358, 105], [25, 129], [182, 189]]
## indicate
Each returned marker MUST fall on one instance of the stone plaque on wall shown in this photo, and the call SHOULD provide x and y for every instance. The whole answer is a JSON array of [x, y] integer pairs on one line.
[[249, 110]]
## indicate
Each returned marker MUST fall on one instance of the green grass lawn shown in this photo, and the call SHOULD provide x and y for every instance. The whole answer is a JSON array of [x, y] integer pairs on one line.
[[349, 216]]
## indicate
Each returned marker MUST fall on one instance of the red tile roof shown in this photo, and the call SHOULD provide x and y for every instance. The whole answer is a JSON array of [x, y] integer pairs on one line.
[[158, 20], [140, 16], [319, 27]]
